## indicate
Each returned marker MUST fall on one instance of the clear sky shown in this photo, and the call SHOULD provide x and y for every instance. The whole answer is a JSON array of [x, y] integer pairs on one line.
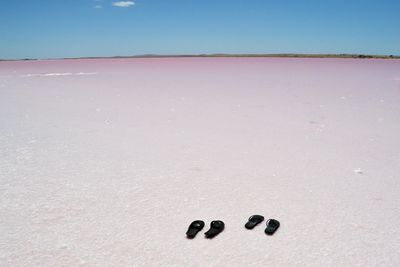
[[74, 28]]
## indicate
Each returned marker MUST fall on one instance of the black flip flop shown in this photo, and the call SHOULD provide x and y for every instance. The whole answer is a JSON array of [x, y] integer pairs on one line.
[[216, 227], [194, 228], [253, 221], [272, 226]]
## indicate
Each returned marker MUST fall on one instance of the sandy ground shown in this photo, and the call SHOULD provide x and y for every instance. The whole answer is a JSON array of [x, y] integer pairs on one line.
[[106, 162]]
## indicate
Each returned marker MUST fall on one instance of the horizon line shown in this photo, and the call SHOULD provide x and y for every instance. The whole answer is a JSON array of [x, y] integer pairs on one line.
[[288, 55]]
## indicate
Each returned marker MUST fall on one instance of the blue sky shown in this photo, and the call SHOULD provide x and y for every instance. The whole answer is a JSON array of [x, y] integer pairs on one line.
[[75, 28]]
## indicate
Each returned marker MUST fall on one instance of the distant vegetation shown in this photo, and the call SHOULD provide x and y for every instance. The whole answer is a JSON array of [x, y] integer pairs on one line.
[[360, 56], [303, 55]]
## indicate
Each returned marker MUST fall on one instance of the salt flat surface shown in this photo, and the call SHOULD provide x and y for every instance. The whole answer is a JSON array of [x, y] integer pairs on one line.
[[106, 162]]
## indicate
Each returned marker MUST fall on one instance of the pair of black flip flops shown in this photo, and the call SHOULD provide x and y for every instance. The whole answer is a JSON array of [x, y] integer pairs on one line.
[[216, 227], [272, 224]]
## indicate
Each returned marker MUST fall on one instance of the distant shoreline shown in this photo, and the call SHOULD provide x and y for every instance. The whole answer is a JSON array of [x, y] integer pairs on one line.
[[355, 56]]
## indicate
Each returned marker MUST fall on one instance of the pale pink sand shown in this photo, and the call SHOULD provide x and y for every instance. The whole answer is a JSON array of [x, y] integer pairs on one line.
[[106, 162]]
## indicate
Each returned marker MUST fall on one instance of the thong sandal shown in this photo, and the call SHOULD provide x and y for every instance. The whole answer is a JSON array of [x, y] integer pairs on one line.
[[194, 228], [272, 226], [216, 227], [253, 221]]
